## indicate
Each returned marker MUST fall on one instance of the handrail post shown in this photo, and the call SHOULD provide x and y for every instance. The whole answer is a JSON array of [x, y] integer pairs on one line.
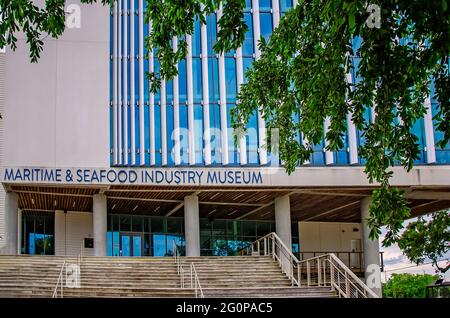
[[319, 273], [265, 246], [308, 274], [332, 281], [347, 285]]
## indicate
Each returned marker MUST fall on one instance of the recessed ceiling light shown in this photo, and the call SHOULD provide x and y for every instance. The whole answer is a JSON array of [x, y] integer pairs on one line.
[[212, 211], [32, 201], [134, 209], [231, 213]]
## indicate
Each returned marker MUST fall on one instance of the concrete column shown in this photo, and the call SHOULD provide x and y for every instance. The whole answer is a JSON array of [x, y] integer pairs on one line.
[[192, 225], [19, 229], [283, 220], [11, 224], [371, 252], [99, 224]]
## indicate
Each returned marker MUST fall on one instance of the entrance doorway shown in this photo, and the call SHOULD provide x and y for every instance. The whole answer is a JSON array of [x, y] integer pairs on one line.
[[131, 244]]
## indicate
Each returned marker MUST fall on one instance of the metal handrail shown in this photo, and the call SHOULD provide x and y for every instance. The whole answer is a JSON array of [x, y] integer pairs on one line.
[[59, 282], [272, 245], [336, 266], [180, 269], [195, 283]]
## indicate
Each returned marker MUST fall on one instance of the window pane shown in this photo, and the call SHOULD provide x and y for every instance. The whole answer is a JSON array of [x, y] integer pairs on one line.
[[230, 79], [197, 79], [184, 134], [266, 25], [125, 223], [157, 225], [198, 133], [137, 224], [265, 5], [247, 46], [196, 39], [182, 81]]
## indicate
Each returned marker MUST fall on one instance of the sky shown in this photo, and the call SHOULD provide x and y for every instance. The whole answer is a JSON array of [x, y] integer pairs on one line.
[[395, 261]]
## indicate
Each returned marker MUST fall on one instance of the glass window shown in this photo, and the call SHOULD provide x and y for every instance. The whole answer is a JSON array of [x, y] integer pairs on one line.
[[174, 226], [137, 223], [266, 24], [248, 228], [182, 82], [211, 33], [157, 225], [184, 138], [125, 223], [263, 228], [170, 134], [285, 5], [198, 133], [196, 39], [213, 79], [247, 63], [214, 114], [252, 139], [157, 111], [232, 149], [197, 79], [265, 5], [247, 46], [230, 78]]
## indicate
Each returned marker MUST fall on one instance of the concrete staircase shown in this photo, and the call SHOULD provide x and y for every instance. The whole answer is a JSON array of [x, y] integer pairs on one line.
[[247, 277], [241, 276]]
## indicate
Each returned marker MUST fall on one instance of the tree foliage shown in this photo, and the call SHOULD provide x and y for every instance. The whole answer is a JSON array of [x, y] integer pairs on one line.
[[424, 239], [408, 285], [302, 72], [36, 22]]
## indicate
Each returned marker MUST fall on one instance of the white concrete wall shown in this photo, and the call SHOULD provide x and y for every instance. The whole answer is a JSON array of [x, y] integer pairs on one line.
[[327, 236], [57, 110], [70, 229], [2, 128]]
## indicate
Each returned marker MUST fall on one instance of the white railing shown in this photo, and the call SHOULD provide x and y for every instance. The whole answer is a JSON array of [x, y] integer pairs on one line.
[[59, 283], [272, 245], [324, 270], [180, 269], [329, 270], [195, 281]]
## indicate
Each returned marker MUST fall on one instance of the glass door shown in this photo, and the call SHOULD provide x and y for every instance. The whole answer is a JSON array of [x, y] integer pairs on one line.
[[131, 244]]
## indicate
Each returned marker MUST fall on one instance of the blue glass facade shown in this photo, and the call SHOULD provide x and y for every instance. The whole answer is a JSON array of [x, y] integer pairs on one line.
[[143, 124]]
